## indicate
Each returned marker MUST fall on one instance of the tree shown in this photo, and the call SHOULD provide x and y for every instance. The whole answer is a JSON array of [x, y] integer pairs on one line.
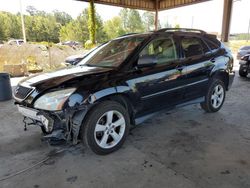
[[114, 27], [62, 17], [92, 22], [131, 21], [11, 26], [148, 20], [177, 26], [77, 29]]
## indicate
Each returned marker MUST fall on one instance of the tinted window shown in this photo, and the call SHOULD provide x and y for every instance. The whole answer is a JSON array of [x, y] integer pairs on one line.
[[162, 49], [193, 46], [212, 45]]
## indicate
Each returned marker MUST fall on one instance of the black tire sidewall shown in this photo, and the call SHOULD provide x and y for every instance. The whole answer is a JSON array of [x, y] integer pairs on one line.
[[242, 73], [90, 123], [213, 84]]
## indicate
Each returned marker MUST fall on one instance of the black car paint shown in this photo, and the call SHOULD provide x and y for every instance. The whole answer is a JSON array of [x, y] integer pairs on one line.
[[144, 90]]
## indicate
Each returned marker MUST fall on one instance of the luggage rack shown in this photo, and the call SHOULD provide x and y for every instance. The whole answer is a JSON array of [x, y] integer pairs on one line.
[[181, 29]]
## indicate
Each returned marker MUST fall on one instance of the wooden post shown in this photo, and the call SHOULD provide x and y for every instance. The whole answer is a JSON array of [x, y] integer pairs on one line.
[[227, 12], [156, 14]]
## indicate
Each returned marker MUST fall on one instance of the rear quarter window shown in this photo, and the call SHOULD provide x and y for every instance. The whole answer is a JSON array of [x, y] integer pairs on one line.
[[212, 43]]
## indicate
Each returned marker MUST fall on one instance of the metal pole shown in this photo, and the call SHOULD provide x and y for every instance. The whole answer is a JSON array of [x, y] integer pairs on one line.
[[248, 30], [192, 24], [22, 20], [156, 14]]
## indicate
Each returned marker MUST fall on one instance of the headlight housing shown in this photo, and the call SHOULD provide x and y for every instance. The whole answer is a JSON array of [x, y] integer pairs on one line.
[[53, 101]]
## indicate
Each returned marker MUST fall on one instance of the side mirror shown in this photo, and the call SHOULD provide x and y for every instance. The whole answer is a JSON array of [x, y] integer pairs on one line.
[[147, 61]]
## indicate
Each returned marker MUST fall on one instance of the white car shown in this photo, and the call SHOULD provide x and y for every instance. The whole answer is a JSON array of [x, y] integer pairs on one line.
[[18, 42]]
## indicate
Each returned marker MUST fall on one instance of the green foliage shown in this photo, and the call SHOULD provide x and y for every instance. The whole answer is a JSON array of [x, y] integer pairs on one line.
[[10, 26], [77, 30], [88, 44], [62, 17], [59, 26], [114, 27], [149, 20], [40, 28], [92, 22], [131, 21], [177, 26]]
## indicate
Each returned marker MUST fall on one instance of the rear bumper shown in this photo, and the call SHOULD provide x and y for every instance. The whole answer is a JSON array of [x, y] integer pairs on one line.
[[231, 79]]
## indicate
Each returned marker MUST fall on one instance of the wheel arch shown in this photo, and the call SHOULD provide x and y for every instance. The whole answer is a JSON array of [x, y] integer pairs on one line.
[[222, 75], [124, 100]]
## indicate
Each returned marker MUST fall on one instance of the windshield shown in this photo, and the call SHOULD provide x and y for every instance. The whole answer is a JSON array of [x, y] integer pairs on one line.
[[112, 53]]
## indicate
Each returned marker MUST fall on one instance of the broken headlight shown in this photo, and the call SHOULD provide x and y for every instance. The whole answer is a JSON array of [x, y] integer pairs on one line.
[[53, 101]]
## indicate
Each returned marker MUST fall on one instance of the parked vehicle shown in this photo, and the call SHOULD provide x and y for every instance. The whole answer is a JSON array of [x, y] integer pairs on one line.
[[74, 59], [244, 50], [17, 42], [71, 43], [244, 66], [125, 81]]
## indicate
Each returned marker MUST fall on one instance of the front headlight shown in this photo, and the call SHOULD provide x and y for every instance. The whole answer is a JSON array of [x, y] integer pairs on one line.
[[54, 100]]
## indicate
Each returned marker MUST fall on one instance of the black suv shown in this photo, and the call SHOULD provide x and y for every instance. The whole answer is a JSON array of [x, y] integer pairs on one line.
[[123, 82]]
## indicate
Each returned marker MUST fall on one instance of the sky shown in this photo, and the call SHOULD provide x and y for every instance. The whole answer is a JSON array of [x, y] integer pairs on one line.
[[206, 16]]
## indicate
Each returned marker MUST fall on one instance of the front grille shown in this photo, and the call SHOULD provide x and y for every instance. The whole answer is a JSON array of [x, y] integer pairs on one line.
[[22, 92]]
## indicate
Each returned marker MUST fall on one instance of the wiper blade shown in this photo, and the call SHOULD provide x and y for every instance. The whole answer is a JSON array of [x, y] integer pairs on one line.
[[103, 66]]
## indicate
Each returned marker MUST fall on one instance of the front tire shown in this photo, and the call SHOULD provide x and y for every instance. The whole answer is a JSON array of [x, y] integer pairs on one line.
[[242, 73], [215, 96], [106, 127]]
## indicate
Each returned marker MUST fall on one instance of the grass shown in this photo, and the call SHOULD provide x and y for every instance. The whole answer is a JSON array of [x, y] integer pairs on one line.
[[235, 45]]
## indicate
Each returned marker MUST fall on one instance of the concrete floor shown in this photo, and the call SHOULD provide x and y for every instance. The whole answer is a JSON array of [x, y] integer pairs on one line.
[[182, 148]]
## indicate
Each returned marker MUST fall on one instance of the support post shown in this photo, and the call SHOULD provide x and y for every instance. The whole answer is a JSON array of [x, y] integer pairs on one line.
[[156, 14], [227, 12], [22, 21]]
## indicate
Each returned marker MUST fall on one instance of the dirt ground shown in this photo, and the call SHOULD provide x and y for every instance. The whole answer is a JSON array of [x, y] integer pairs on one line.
[[45, 58], [182, 148]]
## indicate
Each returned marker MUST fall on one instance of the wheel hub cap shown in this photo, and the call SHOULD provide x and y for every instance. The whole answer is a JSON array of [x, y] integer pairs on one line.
[[109, 129], [217, 96]]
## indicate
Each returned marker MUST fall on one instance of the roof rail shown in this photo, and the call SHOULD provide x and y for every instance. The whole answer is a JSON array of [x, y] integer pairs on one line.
[[180, 29], [127, 34]]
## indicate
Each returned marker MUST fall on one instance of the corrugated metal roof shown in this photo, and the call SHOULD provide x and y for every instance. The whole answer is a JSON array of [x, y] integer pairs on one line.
[[150, 5]]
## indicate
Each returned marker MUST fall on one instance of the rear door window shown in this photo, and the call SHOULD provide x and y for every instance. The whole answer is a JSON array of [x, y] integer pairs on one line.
[[193, 46]]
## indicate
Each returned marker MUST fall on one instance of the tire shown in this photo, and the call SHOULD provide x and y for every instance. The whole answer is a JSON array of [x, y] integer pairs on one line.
[[102, 132], [215, 96], [242, 73]]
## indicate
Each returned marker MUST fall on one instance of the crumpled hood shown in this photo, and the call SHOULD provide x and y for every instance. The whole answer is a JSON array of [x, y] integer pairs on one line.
[[56, 78]]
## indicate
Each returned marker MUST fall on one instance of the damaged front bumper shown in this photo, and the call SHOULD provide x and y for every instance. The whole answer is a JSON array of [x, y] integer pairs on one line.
[[59, 126]]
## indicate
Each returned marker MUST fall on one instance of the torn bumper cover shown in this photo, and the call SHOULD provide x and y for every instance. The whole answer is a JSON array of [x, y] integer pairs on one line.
[[58, 127]]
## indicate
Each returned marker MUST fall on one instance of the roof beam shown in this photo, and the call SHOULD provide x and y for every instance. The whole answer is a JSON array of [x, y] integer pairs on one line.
[[149, 5]]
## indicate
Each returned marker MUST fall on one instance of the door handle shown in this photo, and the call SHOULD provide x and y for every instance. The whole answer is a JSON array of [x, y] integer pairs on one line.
[[180, 68], [212, 60]]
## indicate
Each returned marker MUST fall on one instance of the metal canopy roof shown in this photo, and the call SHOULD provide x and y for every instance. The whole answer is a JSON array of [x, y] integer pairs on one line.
[[150, 5]]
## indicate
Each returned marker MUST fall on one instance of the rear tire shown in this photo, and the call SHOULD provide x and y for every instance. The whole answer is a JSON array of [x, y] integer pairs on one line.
[[215, 96], [242, 73], [106, 127]]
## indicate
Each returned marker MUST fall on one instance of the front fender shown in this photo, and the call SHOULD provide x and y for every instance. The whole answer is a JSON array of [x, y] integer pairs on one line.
[[106, 92]]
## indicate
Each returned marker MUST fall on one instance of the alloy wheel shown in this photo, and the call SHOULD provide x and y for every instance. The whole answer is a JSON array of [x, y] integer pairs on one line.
[[109, 129], [217, 96]]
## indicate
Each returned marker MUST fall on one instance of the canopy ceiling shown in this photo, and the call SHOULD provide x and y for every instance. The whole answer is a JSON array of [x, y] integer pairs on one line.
[[151, 5]]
